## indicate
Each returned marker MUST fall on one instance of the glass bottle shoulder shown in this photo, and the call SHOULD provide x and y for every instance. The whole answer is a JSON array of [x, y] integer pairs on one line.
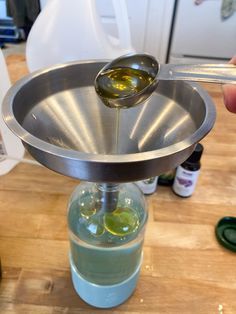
[[107, 215]]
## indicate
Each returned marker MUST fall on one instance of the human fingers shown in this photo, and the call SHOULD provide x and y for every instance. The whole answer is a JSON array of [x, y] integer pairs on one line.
[[229, 92]]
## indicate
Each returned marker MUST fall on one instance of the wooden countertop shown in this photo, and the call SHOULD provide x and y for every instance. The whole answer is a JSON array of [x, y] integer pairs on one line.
[[184, 270]]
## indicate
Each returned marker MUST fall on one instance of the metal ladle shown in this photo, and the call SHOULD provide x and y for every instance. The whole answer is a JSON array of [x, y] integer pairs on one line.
[[211, 73]]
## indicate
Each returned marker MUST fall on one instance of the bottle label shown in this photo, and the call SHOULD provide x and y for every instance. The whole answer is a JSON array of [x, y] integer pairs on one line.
[[148, 186], [185, 181], [2, 150]]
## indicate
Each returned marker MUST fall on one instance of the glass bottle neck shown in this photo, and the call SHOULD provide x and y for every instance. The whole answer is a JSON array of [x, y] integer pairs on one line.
[[108, 194], [107, 187]]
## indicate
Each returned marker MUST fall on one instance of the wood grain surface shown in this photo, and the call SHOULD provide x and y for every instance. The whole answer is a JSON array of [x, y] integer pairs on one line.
[[184, 270]]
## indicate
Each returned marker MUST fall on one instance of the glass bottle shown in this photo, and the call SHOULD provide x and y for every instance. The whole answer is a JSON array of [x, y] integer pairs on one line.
[[106, 231], [11, 149], [148, 186]]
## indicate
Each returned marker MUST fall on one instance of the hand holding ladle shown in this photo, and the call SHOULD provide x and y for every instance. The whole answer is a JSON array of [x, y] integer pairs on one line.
[[129, 80]]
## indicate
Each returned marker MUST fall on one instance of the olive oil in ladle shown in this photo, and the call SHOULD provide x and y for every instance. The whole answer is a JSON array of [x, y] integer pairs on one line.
[[120, 82]]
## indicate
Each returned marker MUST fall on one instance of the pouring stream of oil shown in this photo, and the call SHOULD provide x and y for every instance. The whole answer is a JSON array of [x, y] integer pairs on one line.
[[121, 82], [117, 130], [118, 83]]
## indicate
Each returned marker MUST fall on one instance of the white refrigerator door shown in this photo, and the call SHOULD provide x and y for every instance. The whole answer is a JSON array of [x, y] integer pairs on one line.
[[200, 32], [3, 11]]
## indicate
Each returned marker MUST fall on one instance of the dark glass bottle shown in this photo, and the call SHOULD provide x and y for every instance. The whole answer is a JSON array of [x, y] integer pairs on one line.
[[187, 173]]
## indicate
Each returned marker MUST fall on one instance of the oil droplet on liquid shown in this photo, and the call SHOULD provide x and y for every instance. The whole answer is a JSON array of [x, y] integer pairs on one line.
[[87, 212], [122, 221]]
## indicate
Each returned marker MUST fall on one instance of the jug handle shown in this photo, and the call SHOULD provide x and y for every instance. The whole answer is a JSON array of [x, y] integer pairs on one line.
[[122, 21]]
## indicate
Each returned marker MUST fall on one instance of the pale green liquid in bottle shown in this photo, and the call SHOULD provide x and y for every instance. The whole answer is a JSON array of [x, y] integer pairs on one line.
[[106, 247]]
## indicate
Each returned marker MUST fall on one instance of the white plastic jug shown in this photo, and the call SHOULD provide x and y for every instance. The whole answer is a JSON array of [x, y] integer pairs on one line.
[[11, 148], [69, 30]]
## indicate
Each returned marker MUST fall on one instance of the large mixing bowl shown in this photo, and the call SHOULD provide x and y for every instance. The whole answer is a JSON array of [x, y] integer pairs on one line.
[[64, 125]]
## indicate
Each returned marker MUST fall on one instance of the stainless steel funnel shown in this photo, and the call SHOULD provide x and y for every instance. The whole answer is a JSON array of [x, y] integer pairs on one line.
[[65, 126]]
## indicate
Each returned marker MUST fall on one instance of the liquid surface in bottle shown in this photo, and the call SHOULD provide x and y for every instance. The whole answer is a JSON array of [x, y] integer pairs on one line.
[[122, 82], [123, 221]]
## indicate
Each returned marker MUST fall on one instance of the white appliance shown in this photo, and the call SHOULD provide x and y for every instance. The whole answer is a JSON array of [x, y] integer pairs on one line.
[[200, 35], [150, 23], [3, 11]]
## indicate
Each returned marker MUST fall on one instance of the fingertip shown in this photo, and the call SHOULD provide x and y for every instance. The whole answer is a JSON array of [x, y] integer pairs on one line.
[[233, 60], [229, 94]]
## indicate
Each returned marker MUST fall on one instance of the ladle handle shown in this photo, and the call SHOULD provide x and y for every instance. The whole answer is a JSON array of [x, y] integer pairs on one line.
[[212, 73]]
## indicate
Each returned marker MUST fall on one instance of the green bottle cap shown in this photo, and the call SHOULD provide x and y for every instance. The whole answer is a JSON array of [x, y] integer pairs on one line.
[[226, 232]]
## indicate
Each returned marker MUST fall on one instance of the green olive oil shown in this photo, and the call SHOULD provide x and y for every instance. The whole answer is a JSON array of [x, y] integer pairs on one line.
[[117, 83]]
